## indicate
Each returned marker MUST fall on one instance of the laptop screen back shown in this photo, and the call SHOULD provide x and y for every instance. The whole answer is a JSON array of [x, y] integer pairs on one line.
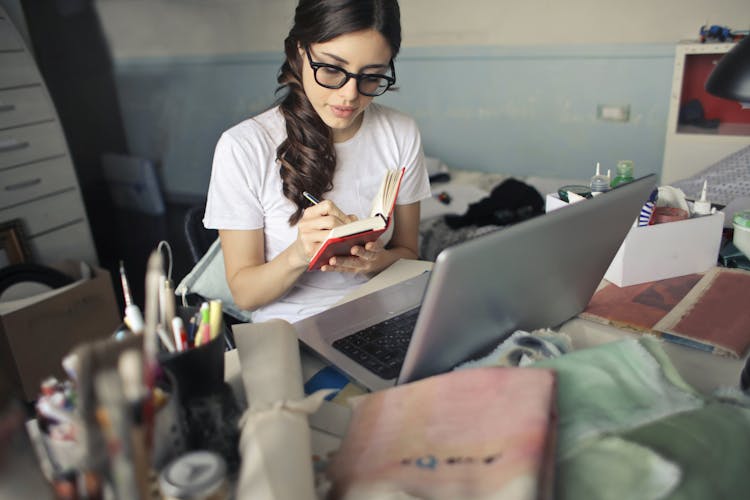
[[535, 274]]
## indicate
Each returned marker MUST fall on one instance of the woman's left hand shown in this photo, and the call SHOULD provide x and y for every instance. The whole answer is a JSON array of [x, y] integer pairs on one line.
[[363, 260]]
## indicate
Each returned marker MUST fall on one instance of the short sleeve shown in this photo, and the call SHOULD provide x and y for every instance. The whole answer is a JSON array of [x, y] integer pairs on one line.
[[415, 185], [233, 200]]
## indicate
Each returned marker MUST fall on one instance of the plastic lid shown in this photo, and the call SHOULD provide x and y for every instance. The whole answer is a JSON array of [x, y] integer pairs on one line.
[[197, 474], [742, 218], [578, 189], [599, 183]]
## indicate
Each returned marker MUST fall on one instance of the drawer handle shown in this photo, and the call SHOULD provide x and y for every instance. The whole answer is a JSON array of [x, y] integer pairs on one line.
[[7, 107], [23, 184], [7, 145]]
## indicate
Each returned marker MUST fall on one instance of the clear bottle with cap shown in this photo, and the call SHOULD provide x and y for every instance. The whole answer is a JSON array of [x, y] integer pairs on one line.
[[623, 173], [599, 183]]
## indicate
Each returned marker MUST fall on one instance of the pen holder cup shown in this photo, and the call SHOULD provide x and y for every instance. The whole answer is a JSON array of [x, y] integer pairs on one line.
[[208, 407], [170, 428], [199, 371]]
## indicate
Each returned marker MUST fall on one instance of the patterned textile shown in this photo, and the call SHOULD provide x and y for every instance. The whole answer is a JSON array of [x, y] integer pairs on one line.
[[727, 179], [435, 235]]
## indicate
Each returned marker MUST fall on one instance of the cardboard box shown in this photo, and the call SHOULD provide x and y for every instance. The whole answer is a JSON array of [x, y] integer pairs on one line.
[[662, 251], [37, 332], [667, 250]]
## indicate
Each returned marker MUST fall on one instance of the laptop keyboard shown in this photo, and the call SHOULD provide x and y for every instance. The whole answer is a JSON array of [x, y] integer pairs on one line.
[[381, 348]]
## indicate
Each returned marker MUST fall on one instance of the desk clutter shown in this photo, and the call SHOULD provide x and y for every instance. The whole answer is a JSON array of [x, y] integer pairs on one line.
[[532, 419], [142, 413], [673, 235]]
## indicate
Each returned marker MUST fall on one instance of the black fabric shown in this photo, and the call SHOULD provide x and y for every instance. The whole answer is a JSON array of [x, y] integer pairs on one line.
[[691, 113], [34, 273], [510, 202]]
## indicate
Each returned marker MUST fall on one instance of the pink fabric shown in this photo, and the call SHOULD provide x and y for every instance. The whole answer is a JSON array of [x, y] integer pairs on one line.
[[475, 433]]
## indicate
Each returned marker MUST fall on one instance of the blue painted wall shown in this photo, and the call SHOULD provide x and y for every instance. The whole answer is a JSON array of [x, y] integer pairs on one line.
[[517, 110]]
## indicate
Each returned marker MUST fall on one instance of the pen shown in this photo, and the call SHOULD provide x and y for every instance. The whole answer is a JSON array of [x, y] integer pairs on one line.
[[214, 316], [312, 199], [133, 316], [125, 286], [204, 327], [180, 335]]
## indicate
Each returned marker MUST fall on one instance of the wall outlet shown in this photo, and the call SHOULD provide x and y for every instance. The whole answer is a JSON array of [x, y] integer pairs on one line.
[[613, 113]]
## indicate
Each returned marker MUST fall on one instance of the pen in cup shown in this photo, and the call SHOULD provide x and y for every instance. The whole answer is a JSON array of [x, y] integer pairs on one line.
[[312, 199], [133, 316]]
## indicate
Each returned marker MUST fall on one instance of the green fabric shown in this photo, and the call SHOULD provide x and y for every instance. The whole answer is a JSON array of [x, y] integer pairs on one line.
[[611, 468], [712, 446], [629, 427], [612, 388]]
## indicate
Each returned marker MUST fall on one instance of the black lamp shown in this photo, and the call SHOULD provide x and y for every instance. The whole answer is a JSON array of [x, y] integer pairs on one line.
[[730, 78]]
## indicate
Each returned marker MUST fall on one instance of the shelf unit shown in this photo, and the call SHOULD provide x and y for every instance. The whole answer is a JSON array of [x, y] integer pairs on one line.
[[688, 149], [38, 183]]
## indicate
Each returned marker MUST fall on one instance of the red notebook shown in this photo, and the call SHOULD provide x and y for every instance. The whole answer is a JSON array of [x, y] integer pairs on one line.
[[342, 238]]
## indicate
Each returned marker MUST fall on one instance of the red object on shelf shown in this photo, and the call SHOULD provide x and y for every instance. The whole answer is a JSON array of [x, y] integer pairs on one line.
[[697, 69]]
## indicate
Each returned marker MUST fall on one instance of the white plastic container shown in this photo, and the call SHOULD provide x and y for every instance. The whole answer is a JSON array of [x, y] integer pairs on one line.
[[741, 223]]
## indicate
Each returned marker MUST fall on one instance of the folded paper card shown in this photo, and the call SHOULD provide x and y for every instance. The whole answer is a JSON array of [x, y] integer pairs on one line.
[[474, 433]]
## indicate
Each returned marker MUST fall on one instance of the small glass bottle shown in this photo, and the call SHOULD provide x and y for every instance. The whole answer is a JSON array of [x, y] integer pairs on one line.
[[599, 183], [624, 173]]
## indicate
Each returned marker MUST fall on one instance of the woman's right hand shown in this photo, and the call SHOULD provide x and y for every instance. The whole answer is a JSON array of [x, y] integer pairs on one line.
[[314, 226]]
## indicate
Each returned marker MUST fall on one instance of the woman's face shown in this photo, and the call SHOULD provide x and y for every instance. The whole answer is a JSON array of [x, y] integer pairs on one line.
[[341, 109]]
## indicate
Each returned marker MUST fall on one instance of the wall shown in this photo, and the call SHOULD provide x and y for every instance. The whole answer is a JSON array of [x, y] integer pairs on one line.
[[156, 28], [492, 86]]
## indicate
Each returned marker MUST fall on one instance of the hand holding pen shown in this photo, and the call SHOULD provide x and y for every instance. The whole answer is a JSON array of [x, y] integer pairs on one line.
[[317, 221], [326, 208]]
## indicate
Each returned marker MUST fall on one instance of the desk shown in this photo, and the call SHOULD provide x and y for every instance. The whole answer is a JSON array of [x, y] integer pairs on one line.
[[328, 424], [704, 371]]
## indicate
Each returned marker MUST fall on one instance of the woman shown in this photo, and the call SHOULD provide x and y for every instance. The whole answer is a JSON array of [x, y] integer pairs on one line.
[[327, 138]]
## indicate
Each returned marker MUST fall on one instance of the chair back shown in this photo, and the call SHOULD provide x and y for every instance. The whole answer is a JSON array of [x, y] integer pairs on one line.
[[198, 238]]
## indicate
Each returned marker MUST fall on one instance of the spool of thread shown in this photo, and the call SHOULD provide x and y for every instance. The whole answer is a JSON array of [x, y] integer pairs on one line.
[[198, 475]]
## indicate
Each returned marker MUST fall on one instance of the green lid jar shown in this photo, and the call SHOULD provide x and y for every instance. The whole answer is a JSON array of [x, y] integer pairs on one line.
[[742, 218], [623, 173], [741, 239]]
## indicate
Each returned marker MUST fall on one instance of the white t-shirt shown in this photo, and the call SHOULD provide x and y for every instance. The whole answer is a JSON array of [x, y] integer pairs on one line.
[[245, 192]]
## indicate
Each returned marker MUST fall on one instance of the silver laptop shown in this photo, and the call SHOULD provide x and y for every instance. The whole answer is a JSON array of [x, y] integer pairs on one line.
[[535, 274]]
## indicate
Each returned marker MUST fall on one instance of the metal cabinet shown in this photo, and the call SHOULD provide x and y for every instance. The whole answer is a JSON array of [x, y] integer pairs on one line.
[[38, 183]]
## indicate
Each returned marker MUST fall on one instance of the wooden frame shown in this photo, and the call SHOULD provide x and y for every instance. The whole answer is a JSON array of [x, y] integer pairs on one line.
[[14, 248]]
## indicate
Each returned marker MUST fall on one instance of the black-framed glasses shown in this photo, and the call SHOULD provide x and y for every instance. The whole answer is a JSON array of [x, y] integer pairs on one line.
[[335, 77]]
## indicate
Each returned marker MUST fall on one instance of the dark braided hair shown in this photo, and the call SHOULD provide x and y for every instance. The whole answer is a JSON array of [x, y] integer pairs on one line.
[[307, 157]]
